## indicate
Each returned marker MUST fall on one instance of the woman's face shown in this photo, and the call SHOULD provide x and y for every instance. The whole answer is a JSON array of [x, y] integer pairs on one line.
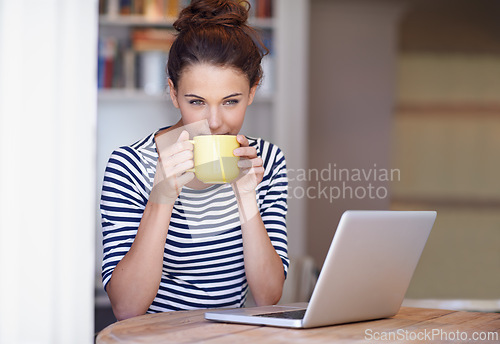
[[218, 95]]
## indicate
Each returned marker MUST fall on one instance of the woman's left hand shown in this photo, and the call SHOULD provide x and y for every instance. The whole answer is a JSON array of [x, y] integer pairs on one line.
[[251, 168]]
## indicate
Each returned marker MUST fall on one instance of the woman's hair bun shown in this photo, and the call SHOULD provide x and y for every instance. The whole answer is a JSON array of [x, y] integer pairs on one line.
[[216, 32], [230, 13]]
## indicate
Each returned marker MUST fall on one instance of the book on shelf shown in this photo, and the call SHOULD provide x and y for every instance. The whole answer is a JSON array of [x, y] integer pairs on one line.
[[107, 53], [151, 76], [103, 7], [267, 84], [152, 39], [125, 7], [263, 8], [154, 9], [172, 8], [129, 69]]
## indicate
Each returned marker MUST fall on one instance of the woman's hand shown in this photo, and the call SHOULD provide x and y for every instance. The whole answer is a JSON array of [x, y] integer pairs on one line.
[[171, 170], [251, 168]]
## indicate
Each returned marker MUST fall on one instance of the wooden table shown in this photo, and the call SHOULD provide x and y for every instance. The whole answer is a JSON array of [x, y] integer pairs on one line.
[[417, 325]]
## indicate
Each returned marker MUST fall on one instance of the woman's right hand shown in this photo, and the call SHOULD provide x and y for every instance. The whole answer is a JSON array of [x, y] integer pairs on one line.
[[171, 170]]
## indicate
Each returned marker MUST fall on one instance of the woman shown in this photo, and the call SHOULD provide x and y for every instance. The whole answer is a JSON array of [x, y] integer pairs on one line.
[[170, 241]]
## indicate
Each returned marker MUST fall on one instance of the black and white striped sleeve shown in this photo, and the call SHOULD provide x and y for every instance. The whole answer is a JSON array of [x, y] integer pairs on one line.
[[272, 198], [123, 200]]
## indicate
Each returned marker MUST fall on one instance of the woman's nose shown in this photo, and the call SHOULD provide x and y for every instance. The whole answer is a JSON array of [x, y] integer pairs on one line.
[[215, 118]]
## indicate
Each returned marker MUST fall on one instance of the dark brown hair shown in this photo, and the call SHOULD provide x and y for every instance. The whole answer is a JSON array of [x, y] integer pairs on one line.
[[216, 32]]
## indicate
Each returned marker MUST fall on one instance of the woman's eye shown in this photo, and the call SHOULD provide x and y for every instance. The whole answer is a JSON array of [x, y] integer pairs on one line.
[[196, 102], [231, 102]]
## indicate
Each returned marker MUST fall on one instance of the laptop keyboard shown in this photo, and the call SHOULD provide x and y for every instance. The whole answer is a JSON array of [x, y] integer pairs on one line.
[[299, 314]]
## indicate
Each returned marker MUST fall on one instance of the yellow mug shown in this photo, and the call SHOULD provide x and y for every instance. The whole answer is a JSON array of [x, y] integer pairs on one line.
[[214, 161]]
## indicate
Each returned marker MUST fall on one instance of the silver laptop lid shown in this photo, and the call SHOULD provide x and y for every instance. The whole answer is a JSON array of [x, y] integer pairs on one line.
[[369, 266]]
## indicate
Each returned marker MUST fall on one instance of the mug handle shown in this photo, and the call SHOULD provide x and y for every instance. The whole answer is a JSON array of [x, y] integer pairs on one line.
[[191, 169]]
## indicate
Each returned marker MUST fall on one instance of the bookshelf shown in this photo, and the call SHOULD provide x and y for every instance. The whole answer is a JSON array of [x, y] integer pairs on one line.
[[278, 113], [135, 37]]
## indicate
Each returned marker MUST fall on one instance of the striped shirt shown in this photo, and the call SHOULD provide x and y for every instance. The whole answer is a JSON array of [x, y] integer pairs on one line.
[[203, 255]]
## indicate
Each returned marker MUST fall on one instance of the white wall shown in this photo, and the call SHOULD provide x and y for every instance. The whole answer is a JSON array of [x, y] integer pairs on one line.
[[47, 170]]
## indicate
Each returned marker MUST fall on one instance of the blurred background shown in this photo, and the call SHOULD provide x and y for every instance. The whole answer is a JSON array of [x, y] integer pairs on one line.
[[414, 86], [400, 97], [446, 141]]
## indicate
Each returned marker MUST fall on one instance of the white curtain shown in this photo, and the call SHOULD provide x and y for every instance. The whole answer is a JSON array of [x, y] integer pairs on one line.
[[47, 170]]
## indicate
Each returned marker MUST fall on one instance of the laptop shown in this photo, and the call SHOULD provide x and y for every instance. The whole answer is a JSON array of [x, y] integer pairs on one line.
[[366, 273]]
